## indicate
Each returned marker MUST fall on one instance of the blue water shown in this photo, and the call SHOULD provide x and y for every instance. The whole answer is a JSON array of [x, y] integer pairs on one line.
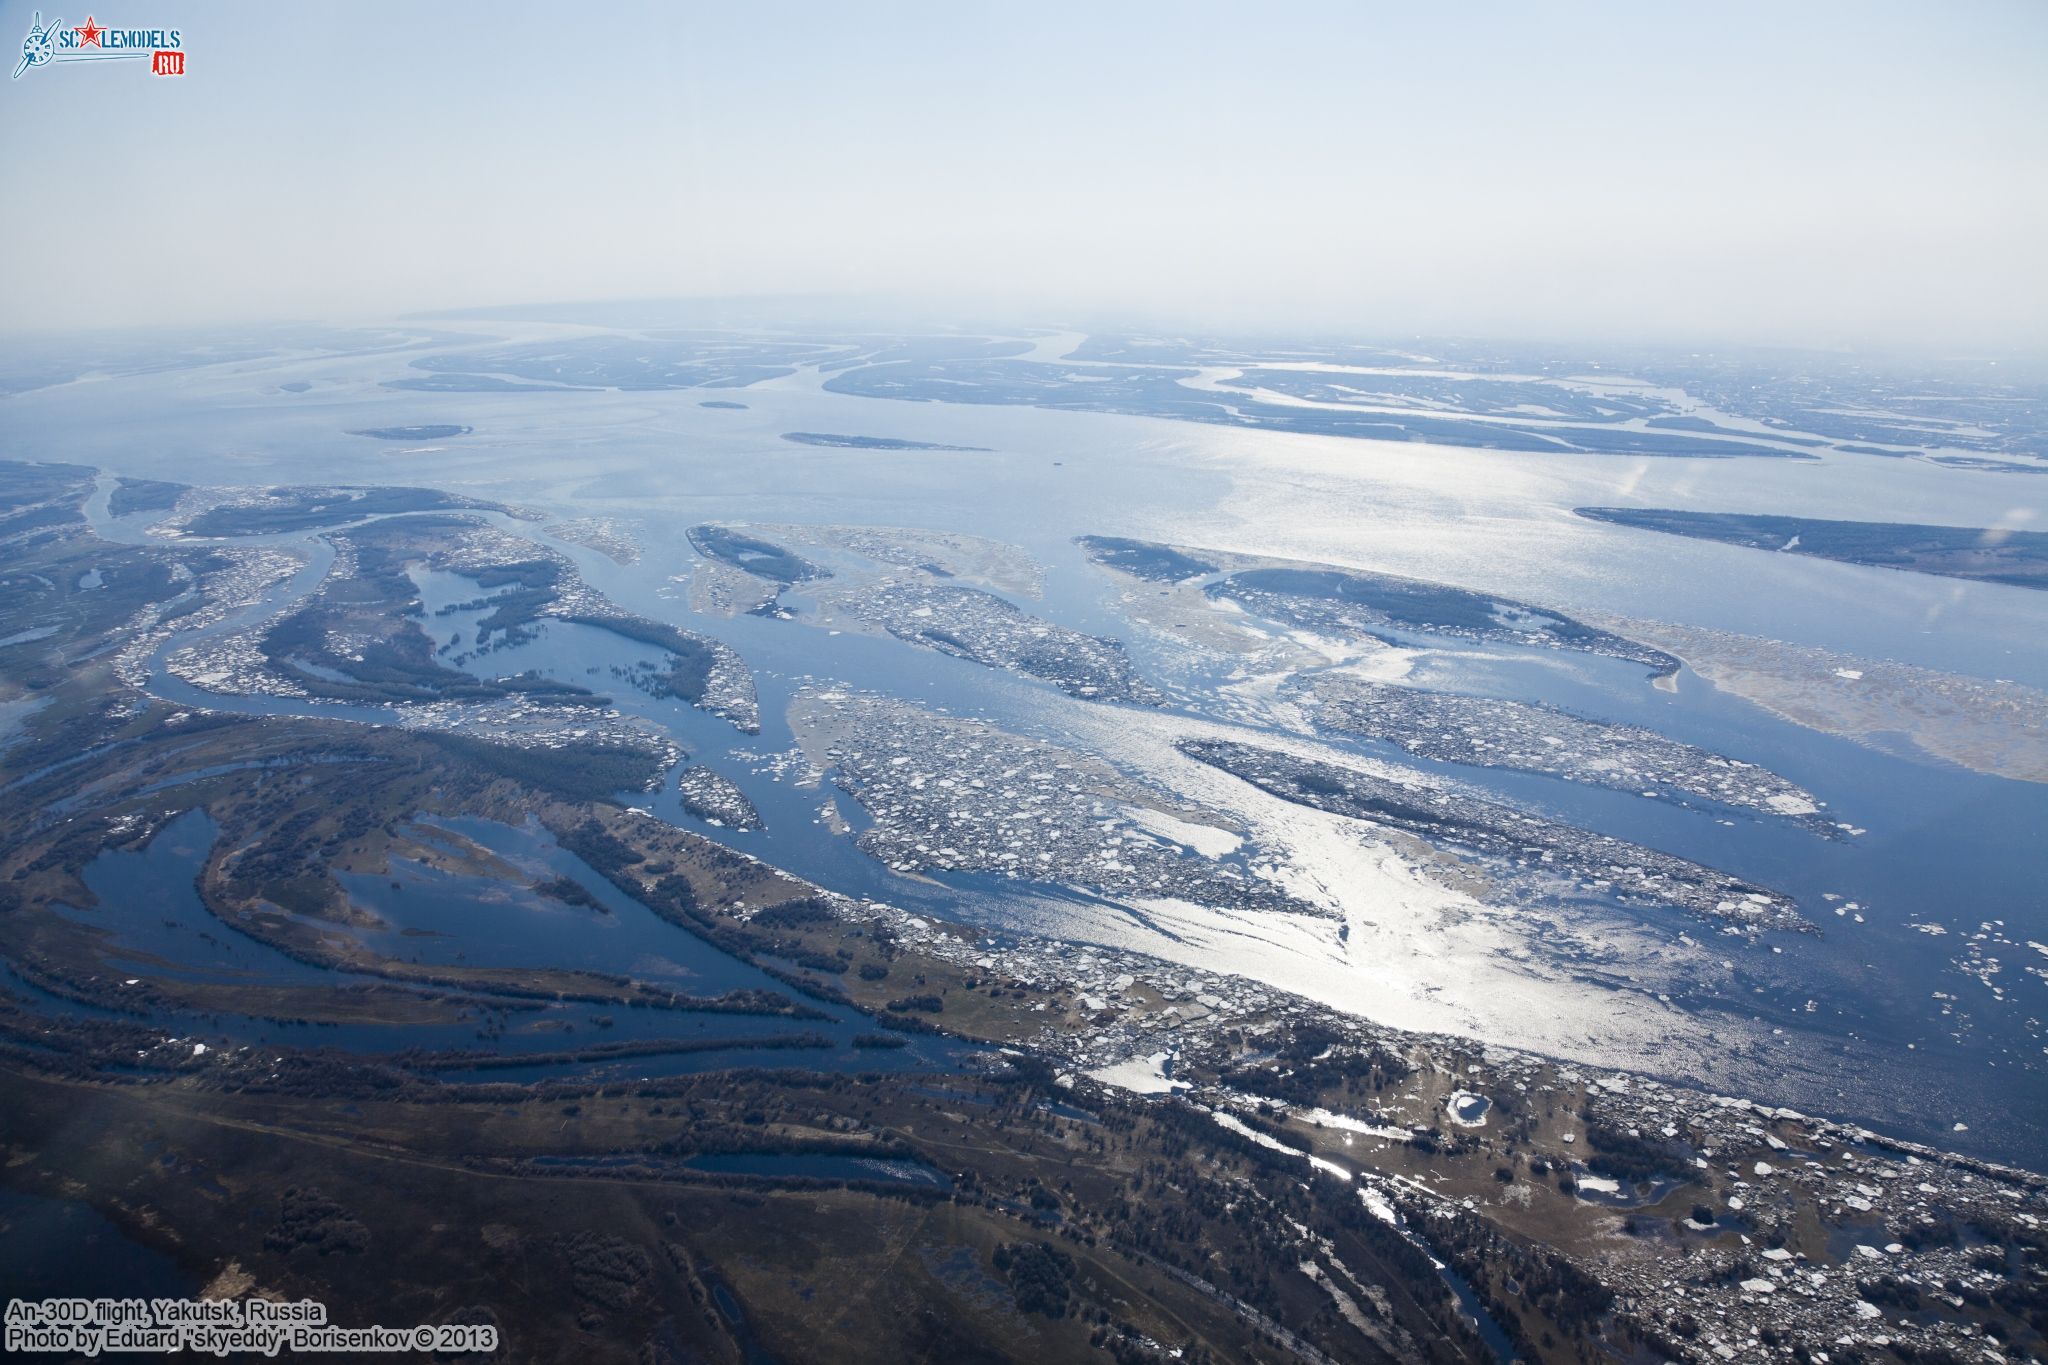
[[783, 1164], [446, 918], [1944, 846], [153, 920], [1873, 1004], [150, 912], [1870, 984], [60, 1248]]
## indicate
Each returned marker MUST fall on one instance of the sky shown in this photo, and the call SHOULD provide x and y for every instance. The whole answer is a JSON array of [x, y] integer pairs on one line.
[[1862, 175]]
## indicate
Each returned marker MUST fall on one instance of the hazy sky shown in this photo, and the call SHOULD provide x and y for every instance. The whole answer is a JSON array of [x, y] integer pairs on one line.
[[1859, 173]]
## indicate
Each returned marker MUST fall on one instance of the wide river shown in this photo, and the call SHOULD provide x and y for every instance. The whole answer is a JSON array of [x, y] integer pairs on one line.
[[1917, 1013]]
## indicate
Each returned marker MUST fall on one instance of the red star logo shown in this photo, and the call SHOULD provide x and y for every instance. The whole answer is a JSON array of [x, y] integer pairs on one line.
[[89, 36]]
